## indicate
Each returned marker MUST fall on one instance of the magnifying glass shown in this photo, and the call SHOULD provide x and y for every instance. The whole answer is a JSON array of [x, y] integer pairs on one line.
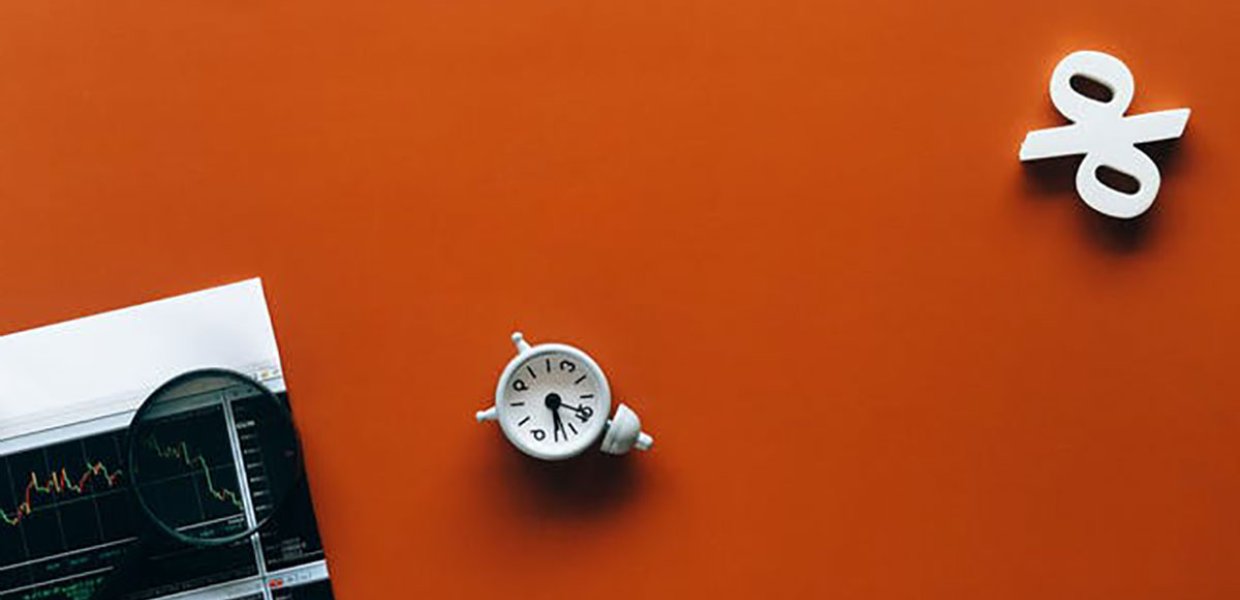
[[212, 457]]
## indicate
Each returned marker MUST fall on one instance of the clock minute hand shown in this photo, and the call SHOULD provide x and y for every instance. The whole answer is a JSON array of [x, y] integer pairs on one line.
[[558, 424]]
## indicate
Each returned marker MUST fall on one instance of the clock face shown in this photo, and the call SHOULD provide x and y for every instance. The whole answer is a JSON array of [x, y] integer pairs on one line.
[[553, 401]]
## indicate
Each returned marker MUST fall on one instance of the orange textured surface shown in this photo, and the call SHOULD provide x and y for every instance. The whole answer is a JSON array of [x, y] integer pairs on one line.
[[882, 359]]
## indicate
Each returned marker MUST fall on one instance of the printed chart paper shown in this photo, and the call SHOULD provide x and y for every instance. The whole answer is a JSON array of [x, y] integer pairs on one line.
[[67, 393]]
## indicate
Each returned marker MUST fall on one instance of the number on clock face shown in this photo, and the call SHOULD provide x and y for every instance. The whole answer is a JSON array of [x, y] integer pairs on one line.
[[552, 402]]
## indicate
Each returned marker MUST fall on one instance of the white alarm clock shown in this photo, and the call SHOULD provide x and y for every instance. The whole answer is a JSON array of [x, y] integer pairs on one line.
[[552, 403]]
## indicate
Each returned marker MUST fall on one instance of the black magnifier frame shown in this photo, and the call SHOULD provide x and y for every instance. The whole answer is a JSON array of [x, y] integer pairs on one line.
[[153, 532], [159, 395]]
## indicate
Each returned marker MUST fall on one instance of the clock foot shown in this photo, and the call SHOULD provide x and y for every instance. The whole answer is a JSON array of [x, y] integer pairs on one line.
[[644, 441], [518, 339], [486, 415]]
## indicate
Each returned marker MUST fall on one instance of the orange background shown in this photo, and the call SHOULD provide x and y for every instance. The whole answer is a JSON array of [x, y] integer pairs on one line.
[[881, 358]]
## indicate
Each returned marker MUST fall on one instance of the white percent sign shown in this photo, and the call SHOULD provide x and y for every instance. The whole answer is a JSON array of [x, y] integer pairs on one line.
[[1103, 134]]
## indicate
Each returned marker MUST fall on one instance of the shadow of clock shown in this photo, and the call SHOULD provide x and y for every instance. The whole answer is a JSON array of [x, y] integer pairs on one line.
[[1056, 179], [582, 487]]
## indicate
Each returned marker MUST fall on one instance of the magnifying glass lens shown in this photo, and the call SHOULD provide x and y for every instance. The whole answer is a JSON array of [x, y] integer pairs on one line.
[[212, 454]]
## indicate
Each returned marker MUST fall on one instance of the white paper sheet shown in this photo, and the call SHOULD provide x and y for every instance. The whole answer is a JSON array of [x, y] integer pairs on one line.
[[107, 363]]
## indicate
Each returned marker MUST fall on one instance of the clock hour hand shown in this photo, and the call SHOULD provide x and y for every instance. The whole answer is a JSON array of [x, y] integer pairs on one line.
[[583, 411]]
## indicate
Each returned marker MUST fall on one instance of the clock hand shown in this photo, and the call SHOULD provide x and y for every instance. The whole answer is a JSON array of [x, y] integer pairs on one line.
[[552, 402], [582, 410], [559, 425]]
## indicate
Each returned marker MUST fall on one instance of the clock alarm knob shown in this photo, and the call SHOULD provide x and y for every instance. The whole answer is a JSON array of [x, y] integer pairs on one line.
[[624, 432]]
